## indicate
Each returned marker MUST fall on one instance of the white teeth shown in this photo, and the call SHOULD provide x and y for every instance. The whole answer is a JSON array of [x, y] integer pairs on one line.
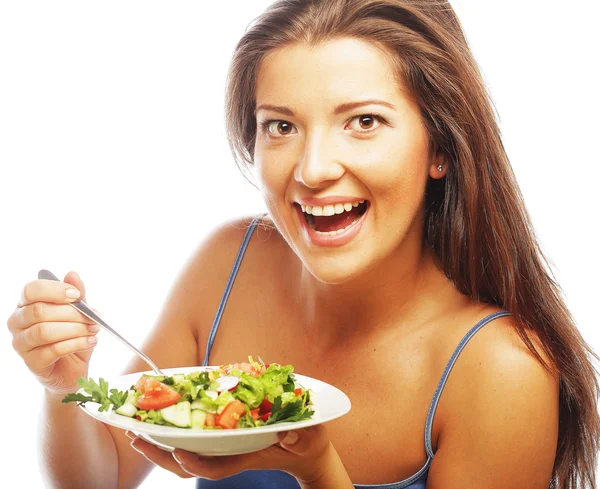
[[330, 209], [330, 233]]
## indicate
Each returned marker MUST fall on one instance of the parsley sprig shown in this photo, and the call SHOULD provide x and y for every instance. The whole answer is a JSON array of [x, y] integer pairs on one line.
[[98, 393], [293, 411]]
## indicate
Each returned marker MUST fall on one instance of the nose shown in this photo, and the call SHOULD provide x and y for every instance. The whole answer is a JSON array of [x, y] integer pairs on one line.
[[317, 165]]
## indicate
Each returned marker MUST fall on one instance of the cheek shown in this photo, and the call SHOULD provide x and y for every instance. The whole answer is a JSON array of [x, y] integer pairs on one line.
[[271, 173], [396, 168]]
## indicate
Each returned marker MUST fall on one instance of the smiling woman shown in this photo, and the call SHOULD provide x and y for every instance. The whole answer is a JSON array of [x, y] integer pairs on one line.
[[355, 137], [396, 262]]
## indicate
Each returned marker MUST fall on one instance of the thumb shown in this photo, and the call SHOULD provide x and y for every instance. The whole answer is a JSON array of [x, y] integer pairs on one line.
[[307, 441], [73, 278]]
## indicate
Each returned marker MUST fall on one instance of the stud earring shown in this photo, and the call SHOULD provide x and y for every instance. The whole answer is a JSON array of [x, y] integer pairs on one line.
[[440, 168]]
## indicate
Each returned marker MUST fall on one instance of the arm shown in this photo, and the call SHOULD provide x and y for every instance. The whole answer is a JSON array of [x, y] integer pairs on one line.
[[334, 477], [502, 427], [78, 451]]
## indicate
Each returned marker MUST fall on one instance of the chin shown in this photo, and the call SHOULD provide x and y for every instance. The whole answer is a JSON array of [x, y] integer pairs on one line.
[[334, 270]]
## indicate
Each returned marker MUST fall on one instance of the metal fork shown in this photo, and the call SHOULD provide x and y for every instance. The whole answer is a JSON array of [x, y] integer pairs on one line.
[[84, 309]]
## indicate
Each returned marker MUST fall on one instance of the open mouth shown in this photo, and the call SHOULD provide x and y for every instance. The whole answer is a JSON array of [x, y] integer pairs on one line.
[[334, 219]]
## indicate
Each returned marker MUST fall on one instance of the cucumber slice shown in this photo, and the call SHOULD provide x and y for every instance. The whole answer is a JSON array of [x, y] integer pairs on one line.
[[178, 414], [127, 410], [198, 418]]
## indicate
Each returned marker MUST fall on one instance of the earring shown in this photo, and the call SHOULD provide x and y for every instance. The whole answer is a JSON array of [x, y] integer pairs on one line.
[[440, 168]]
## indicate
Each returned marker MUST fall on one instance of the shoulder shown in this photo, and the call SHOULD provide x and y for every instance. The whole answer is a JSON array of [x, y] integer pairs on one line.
[[498, 353], [500, 420], [497, 364], [208, 269], [215, 256]]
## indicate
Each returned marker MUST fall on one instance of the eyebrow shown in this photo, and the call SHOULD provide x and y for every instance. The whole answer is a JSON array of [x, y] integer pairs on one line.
[[340, 109]]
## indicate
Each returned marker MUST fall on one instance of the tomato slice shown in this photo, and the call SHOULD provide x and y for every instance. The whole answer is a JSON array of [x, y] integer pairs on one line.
[[298, 391], [255, 413], [266, 416], [211, 419], [228, 419], [141, 384], [266, 406], [156, 395]]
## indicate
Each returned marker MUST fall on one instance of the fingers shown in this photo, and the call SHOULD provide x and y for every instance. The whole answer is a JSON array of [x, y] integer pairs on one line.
[[73, 278], [43, 312], [186, 464], [42, 357], [214, 468], [49, 291], [157, 456], [51, 332], [299, 451], [309, 442]]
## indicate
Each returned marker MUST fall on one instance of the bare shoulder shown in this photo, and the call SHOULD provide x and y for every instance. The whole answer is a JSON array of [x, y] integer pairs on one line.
[[498, 352], [500, 415], [209, 268], [212, 262]]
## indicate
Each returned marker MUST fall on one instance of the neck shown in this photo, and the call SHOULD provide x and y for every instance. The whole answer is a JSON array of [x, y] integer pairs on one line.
[[399, 293]]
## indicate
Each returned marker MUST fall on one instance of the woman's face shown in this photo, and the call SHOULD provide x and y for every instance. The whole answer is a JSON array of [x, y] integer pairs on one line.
[[341, 156]]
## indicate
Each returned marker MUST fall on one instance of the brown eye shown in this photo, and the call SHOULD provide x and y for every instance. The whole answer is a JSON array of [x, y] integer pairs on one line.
[[365, 123], [280, 128]]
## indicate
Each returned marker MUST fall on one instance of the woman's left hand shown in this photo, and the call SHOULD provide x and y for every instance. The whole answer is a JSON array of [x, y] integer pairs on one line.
[[301, 453]]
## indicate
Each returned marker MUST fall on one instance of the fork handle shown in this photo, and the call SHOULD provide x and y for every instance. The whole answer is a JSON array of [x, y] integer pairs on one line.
[[84, 309]]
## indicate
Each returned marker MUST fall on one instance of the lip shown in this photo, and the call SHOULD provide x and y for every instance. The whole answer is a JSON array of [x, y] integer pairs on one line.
[[331, 241], [332, 199]]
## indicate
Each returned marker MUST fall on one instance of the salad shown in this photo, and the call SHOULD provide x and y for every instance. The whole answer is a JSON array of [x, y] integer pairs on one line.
[[240, 395]]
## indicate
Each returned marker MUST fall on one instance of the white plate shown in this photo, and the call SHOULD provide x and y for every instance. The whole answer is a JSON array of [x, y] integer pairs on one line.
[[328, 403]]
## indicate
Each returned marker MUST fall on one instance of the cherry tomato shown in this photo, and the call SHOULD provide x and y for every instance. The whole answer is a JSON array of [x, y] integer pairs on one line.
[[228, 419], [266, 406], [156, 395], [211, 419]]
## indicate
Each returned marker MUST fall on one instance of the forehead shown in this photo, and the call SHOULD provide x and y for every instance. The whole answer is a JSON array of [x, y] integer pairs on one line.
[[335, 71]]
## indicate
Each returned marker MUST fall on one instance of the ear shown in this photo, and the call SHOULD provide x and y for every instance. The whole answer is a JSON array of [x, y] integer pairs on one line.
[[439, 166]]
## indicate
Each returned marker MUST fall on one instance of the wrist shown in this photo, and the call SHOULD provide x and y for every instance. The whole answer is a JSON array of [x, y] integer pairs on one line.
[[55, 398], [328, 473]]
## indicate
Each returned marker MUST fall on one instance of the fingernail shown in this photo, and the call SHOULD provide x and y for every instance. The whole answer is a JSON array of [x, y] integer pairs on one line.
[[131, 434], [72, 293], [92, 339], [136, 448], [290, 438], [93, 328], [177, 457]]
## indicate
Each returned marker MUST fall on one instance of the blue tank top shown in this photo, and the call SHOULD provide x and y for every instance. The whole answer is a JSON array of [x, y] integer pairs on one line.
[[275, 479]]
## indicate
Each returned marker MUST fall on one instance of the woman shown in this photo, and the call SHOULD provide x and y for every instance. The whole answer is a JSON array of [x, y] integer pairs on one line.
[[396, 259]]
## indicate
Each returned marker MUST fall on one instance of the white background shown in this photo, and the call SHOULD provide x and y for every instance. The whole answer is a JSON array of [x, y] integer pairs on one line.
[[114, 162]]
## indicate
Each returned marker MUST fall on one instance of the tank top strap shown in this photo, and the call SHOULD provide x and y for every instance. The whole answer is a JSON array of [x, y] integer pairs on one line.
[[447, 370], [228, 287]]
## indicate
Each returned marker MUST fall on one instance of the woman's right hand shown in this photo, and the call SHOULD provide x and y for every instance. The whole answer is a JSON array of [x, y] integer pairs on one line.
[[54, 339]]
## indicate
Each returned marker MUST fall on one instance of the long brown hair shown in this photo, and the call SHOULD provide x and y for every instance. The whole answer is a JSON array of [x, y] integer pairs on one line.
[[475, 218]]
